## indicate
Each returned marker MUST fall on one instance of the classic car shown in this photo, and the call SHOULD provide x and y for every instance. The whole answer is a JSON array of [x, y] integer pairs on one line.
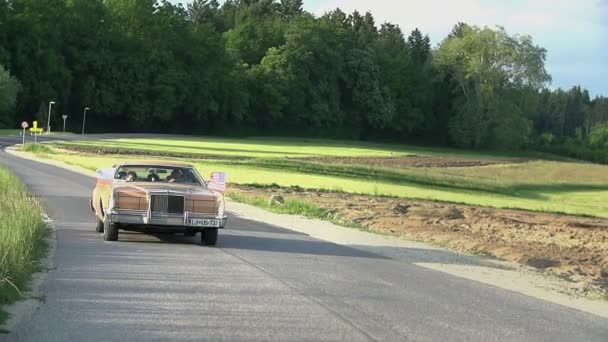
[[157, 197]]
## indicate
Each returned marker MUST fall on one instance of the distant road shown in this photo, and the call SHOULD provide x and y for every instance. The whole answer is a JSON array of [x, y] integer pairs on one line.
[[262, 283]]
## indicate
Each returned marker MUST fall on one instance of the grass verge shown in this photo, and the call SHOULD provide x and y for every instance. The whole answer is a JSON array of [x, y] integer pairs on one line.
[[22, 233], [294, 207], [290, 207], [36, 148]]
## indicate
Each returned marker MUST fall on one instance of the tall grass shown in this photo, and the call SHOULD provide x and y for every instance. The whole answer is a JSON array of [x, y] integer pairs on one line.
[[22, 232]]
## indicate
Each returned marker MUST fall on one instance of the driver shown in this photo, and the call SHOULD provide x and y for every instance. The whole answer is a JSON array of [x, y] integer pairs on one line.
[[176, 176]]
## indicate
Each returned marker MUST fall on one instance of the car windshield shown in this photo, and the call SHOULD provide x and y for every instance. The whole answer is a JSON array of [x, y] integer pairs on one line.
[[158, 174]]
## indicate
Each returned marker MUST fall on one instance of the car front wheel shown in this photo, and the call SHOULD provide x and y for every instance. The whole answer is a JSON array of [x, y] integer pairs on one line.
[[110, 230], [209, 237], [100, 224]]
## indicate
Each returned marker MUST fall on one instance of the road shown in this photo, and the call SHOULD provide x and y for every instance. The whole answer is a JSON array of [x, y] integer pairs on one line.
[[262, 283]]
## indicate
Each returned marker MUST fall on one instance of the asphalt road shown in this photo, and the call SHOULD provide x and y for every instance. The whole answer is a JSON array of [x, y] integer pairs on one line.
[[262, 283]]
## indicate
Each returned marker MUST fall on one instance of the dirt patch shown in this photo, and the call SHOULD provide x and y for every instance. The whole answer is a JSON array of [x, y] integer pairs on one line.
[[412, 161], [136, 152], [574, 248]]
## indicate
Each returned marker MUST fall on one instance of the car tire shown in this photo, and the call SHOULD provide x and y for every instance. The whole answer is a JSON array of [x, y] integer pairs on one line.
[[110, 230], [209, 237], [100, 224]]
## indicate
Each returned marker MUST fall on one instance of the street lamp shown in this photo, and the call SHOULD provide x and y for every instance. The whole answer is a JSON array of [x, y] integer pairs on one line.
[[84, 118], [48, 122]]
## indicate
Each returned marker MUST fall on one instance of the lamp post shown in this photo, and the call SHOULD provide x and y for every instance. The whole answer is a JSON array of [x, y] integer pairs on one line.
[[48, 121], [84, 118]]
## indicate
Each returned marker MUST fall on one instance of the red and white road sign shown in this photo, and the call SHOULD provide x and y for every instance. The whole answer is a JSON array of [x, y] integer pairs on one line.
[[24, 125]]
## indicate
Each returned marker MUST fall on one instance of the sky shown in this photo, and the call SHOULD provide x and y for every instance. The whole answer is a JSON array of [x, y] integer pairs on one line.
[[575, 33]]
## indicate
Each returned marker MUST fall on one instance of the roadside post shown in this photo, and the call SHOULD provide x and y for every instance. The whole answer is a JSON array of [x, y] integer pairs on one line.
[[24, 125], [35, 130], [84, 118], [48, 121], [65, 117]]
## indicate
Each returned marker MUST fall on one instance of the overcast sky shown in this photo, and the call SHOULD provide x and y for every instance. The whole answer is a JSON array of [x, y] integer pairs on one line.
[[575, 33]]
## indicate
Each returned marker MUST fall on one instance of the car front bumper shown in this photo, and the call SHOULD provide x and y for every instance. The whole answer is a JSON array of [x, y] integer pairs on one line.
[[146, 218]]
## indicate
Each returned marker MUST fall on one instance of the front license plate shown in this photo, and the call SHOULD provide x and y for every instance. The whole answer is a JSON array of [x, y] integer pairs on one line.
[[205, 223]]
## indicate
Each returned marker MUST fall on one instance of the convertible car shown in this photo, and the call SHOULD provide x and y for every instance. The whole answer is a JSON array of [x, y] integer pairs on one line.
[[158, 197]]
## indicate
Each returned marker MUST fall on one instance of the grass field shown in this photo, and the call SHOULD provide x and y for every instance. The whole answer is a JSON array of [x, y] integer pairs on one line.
[[539, 184], [7, 132], [21, 237], [282, 147]]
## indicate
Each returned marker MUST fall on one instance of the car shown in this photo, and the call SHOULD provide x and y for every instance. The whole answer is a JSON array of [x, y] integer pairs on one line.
[[157, 197]]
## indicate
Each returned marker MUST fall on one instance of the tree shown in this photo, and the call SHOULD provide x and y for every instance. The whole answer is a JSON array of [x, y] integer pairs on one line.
[[306, 71], [258, 28], [206, 12], [420, 47], [291, 8], [599, 136], [490, 69], [9, 88], [576, 111], [257, 65]]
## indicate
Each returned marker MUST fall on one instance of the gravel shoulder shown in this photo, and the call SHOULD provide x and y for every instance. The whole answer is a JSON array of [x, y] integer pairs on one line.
[[503, 274]]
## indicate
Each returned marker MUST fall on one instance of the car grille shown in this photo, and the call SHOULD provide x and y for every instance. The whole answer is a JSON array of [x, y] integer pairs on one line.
[[166, 204]]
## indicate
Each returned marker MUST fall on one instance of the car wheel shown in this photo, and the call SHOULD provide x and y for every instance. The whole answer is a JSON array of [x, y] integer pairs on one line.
[[209, 237], [99, 227], [110, 230]]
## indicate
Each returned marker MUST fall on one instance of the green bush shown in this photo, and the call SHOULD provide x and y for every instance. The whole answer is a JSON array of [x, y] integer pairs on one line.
[[599, 136], [573, 148], [545, 140]]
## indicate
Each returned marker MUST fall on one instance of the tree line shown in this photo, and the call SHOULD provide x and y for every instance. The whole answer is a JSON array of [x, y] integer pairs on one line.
[[268, 67]]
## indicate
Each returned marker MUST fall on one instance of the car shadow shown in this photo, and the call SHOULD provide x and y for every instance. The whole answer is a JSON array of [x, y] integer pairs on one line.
[[254, 236]]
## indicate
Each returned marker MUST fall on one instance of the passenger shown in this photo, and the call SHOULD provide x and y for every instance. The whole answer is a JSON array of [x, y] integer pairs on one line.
[[176, 176], [153, 178], [131, 177]]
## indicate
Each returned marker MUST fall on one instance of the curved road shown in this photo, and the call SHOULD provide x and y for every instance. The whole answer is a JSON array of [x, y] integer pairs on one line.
[[261, 283]]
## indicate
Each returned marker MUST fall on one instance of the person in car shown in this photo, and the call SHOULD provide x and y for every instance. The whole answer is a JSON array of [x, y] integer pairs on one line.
[[176, 176], [153, 178], [131, 177]]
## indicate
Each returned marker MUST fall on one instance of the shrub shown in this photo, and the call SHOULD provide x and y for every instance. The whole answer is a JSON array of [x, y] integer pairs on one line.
[[36, 148], [598, 137]]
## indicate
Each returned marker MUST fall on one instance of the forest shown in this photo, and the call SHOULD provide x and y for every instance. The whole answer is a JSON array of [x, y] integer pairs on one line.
[[266, 67]]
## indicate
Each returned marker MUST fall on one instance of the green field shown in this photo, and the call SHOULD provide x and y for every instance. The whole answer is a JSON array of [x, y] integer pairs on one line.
[[21, 237], [281, 147], [9, 132], [541, 185]]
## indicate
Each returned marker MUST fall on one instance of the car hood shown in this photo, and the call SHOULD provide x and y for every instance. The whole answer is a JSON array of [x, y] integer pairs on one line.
[[144, 189]]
